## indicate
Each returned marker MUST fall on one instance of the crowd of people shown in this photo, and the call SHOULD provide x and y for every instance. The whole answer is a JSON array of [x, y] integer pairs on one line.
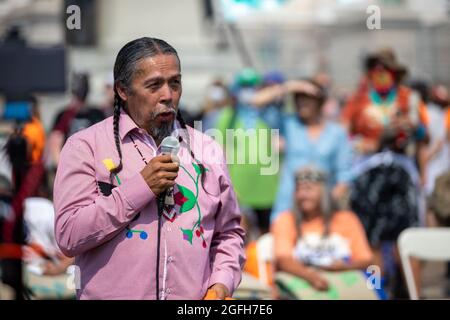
[[33, 155], [355, 171]]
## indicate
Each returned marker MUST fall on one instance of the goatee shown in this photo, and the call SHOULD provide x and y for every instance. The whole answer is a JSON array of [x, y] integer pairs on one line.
[[164, 130]]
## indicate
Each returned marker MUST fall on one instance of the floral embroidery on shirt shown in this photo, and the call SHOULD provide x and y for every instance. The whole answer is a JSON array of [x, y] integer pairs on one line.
[[187, 201], [184, 200]]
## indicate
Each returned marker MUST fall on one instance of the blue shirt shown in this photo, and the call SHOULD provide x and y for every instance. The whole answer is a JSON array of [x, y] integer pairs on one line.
[[330, 152]]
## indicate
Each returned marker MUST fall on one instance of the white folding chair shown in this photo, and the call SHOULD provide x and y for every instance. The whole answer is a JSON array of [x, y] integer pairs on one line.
[[264, 251], [422, 243]]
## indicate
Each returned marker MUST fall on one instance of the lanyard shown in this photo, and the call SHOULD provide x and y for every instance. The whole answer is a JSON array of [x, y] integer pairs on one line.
[[138, 150]]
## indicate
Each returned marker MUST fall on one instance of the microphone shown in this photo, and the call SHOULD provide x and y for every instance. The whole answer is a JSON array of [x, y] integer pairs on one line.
[[169, 145]]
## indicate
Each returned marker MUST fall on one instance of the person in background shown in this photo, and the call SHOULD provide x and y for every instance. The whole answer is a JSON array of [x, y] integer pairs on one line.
[[387, 123], [256, 192], [310, 140], [10, 247], [383, 113], [34, 132], [439, 200], [75, 117], [272, 112], [331, 107], [313, 235], [438, 156], [41, 253], [27, 180], [217, 97]]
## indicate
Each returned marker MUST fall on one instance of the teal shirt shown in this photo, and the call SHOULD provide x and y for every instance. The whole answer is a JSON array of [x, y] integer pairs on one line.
[[330, 152]]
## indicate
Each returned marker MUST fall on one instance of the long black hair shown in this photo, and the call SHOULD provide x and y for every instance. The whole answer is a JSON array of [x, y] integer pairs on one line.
[[124, 69]]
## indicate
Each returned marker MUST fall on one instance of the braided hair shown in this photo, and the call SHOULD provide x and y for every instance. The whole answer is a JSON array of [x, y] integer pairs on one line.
[[117, 106]]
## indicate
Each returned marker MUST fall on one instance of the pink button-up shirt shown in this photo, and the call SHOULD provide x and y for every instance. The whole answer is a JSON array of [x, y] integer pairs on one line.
[[113, 235]]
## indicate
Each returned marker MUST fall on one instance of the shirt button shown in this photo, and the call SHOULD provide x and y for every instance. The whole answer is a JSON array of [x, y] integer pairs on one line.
[[170, 259], [169, 229], [168, 291]]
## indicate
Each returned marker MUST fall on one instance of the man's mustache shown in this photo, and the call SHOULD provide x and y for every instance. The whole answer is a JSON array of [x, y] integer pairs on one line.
[[165, 110]]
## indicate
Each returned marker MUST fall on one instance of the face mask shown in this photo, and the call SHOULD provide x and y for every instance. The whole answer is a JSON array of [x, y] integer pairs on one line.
[[216, 93], [246, 95], [382, 80]]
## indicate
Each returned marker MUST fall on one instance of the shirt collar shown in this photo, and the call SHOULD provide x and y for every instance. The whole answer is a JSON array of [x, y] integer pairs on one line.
[[126, 124]]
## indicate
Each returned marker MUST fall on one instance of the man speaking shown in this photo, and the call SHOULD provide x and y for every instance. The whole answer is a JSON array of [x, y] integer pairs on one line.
[[141, 225]]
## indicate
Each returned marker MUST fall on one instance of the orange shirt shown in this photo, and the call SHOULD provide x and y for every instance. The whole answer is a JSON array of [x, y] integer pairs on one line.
[[344, 224], [34, 133]]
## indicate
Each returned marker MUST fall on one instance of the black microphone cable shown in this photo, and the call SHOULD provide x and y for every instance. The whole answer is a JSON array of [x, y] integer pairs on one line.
[[160, 203], [161, 199]]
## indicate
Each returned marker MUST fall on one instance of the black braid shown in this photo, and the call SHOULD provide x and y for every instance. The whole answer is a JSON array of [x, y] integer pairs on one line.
[[184, 127], [117, 106]]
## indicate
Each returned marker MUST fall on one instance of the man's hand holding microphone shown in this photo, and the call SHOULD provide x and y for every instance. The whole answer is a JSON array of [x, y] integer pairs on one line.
[[160, 173]]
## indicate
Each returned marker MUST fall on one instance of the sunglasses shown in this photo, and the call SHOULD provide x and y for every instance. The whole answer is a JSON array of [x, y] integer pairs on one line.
[[310, 176]]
